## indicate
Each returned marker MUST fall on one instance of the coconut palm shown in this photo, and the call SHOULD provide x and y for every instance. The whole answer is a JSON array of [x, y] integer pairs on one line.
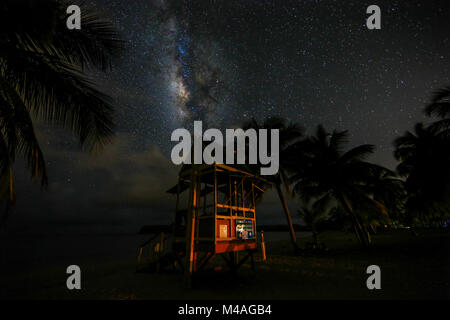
[[312, 213], [326, 173], [43, 68], [389, 196], [289, 133], [424, 156], [440, 107]]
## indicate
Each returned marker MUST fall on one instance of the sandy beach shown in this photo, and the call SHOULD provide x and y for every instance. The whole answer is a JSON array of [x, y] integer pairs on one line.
[[412, 268]]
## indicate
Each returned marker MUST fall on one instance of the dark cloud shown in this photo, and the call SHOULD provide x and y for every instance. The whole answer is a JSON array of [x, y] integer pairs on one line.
[[113, 188]]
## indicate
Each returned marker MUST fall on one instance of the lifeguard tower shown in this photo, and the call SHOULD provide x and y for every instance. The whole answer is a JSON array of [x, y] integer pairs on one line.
[[215, 215]]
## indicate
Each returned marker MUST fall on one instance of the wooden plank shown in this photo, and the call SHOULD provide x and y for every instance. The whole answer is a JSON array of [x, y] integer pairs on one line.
[[226, 206], [234, 218], [228, 246], [190, 230], [215, 208]]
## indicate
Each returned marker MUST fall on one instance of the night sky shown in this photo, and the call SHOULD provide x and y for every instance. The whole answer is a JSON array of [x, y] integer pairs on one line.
[[224, 62]]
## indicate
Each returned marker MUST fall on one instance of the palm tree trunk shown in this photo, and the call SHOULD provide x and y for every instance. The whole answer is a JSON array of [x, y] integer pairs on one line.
[[288, 217], [360, 231], [373, 229], [315, 237], [11, 197], [357, 233]]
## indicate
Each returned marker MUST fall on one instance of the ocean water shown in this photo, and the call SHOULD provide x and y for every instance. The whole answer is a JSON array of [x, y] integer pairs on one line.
[[22, 253]]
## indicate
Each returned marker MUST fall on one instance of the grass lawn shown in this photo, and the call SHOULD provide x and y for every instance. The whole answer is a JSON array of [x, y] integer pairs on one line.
[[411, 268]]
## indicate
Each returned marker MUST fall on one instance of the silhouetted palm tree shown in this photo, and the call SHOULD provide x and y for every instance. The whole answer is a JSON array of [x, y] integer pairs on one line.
[[424, 157], [289, 133], [329, 175], [389, 195], [312, 213], [440, 107], [42, 77]]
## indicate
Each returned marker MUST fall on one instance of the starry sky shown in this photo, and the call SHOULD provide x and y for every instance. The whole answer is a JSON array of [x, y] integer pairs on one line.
[[225, 62]]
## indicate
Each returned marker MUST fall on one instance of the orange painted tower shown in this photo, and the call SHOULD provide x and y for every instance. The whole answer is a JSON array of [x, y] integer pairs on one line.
[[216, 216]]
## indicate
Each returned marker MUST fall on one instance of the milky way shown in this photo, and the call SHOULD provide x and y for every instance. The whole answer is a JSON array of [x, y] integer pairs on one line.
[[310, 61]]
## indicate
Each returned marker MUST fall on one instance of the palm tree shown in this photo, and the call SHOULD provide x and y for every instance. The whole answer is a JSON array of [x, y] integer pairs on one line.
[[440, 107], [389, 195], [290, 133], [42, 78], [424, 156], [312, 213], [328, 174]]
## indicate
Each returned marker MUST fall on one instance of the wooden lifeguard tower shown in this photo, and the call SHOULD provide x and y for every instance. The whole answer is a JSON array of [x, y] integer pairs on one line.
[[215, 215]]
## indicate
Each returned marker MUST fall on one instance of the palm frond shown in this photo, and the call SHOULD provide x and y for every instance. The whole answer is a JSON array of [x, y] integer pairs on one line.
[[60, 94], [41, 27], [19, 133], [440, 104], [441, 127], [358, 153], [337, 140]]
